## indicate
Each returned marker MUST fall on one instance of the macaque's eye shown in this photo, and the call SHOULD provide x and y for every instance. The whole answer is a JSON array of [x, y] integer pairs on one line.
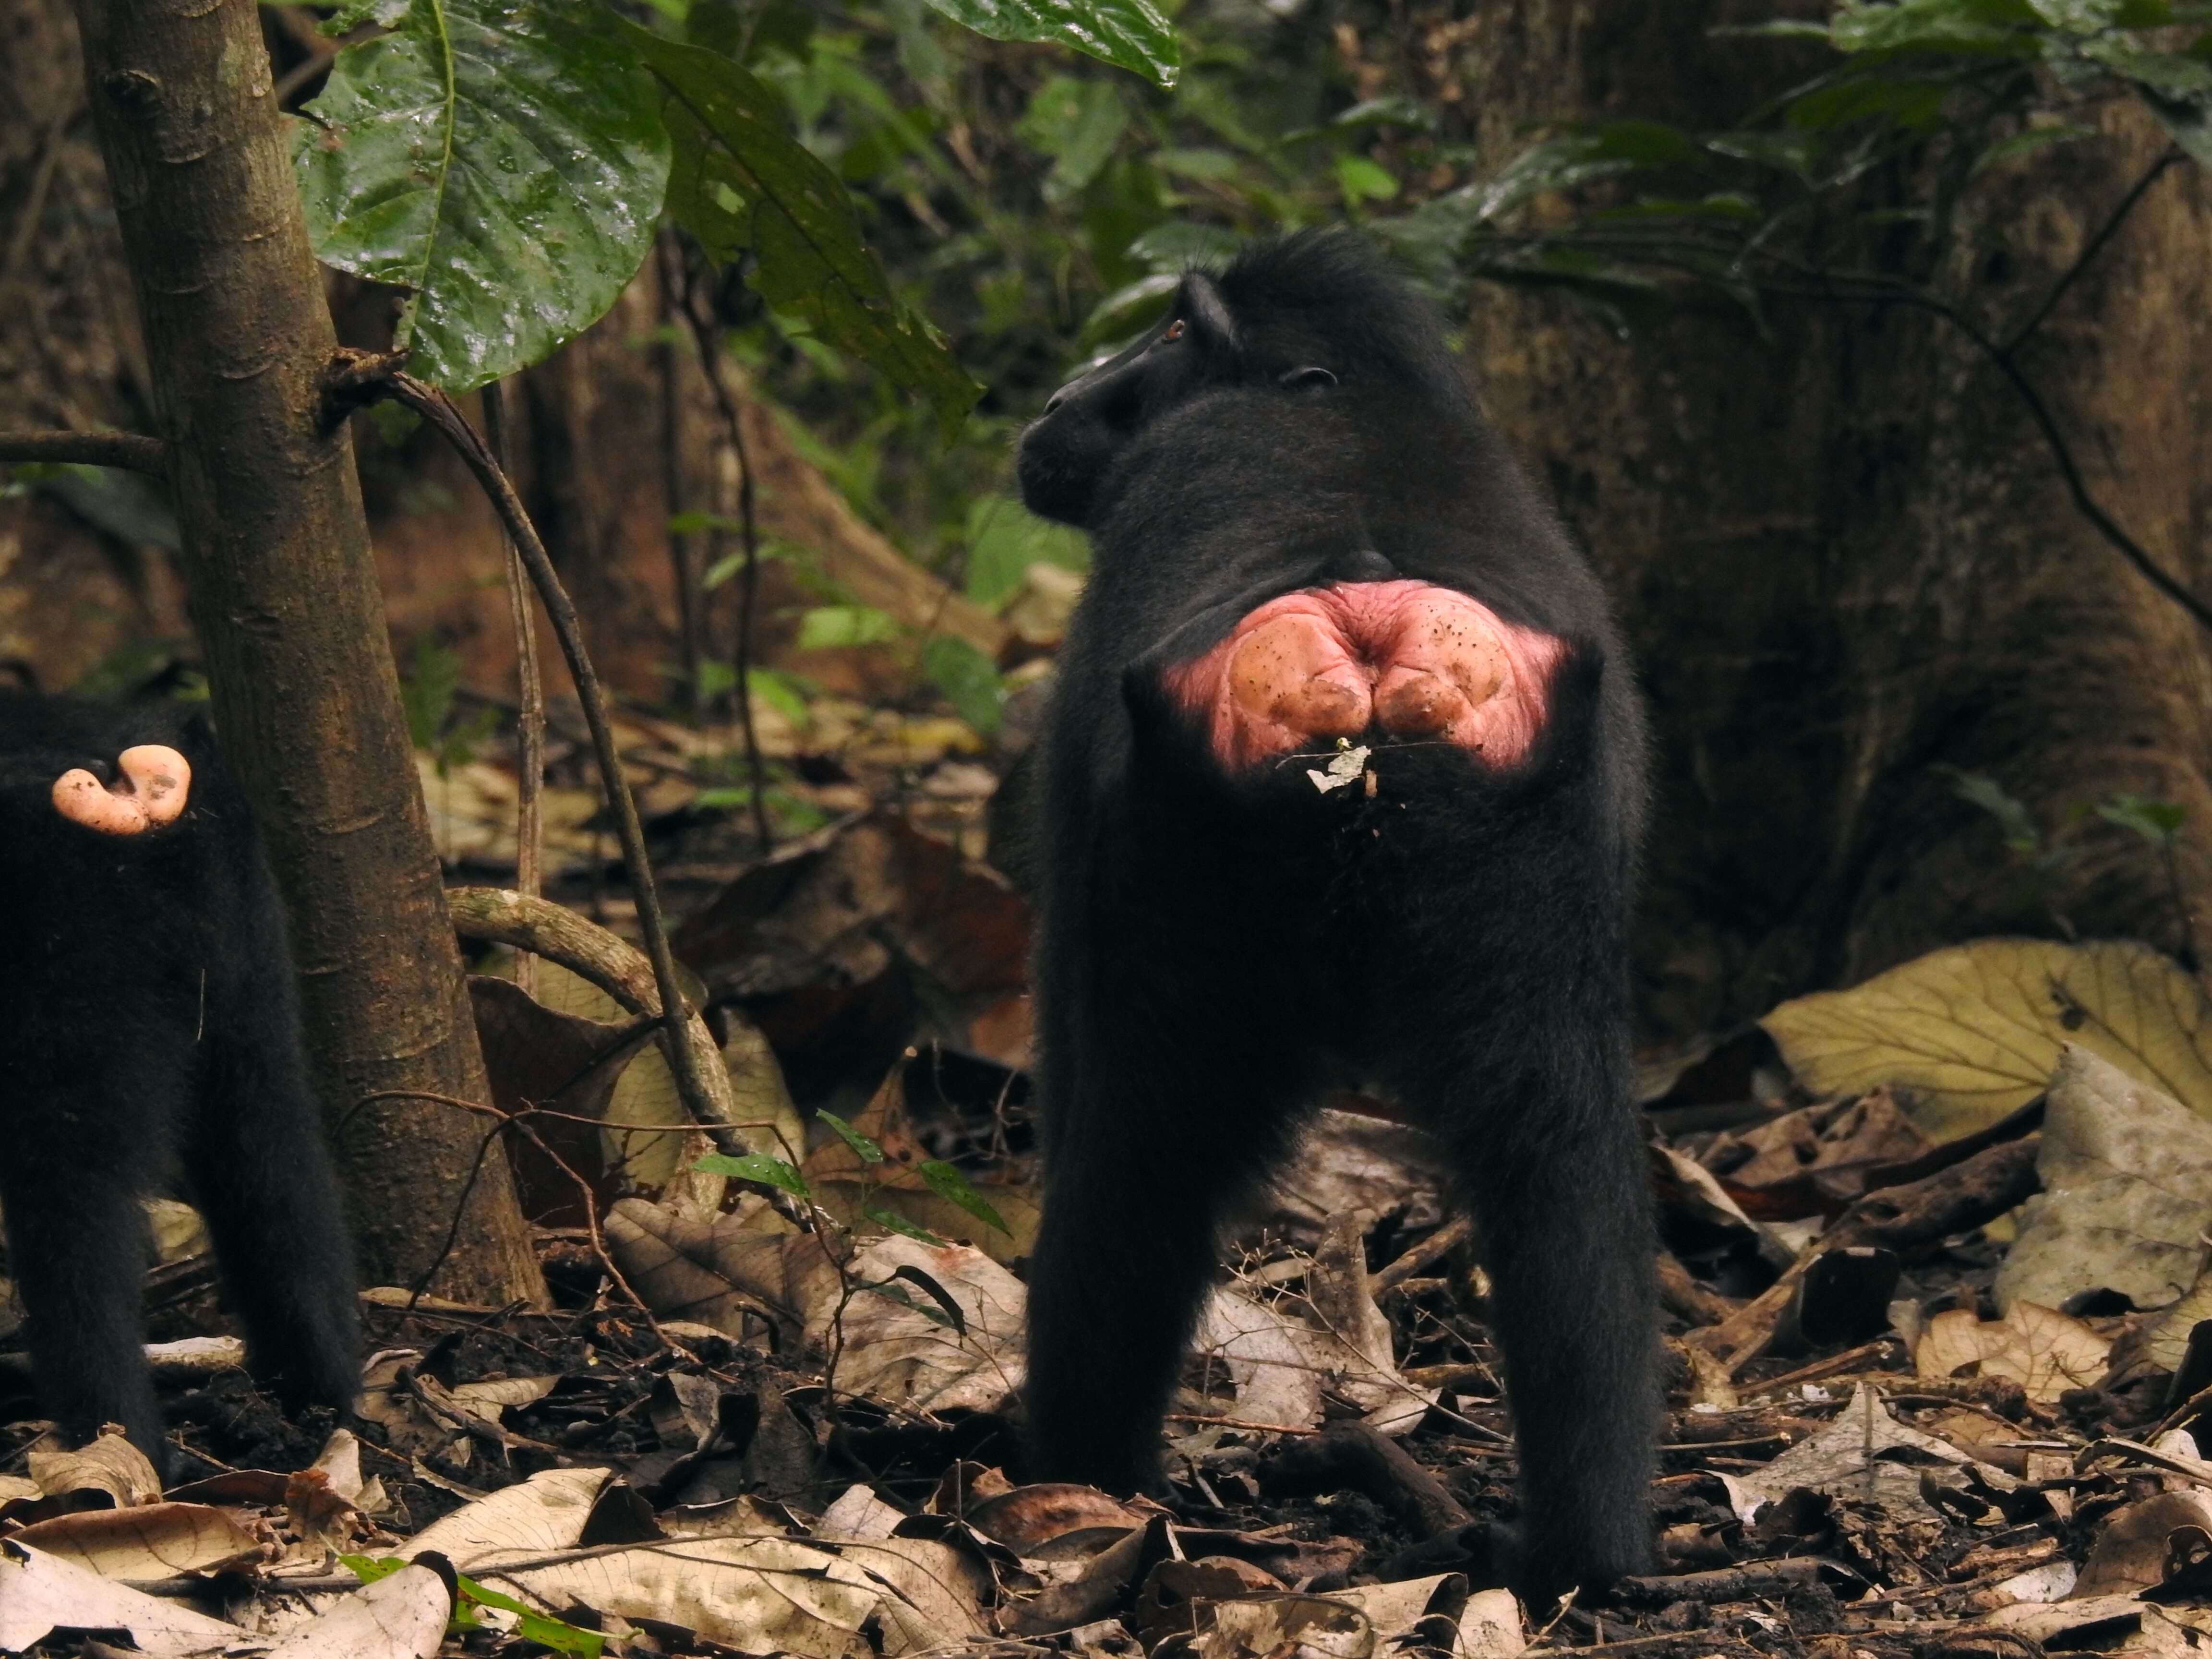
[[1176, 329]]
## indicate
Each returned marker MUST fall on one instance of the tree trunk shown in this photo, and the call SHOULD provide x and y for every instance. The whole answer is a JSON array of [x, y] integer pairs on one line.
[[1845, 557], [284, 593]]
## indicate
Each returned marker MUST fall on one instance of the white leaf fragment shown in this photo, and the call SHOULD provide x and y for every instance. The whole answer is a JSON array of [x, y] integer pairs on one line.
[[1344, 767]]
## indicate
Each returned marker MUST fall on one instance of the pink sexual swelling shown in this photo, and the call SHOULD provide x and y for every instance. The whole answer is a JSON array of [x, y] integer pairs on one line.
[[1418, 661]]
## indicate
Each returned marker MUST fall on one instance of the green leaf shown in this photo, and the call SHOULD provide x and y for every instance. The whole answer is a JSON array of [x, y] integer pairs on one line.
[[505, 162], [756, 1166], [1126, 33], [530, 1625], [955, 1316], [776, 689], [830, 626], [2012, 815], [1363, 180], [893, 1222], [863, 1148], [427, 688], [2158, 822], [968, 678], [1176, 246], [948, 1183], [1004, 538], [742, 183], [1077, 123]]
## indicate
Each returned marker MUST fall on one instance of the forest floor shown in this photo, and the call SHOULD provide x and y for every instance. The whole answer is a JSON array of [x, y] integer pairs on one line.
[[774, 1418]]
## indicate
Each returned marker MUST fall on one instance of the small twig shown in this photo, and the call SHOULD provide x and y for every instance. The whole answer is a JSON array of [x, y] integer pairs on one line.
[[2091, 248], [1438, 1244], [530, 708], [710, 359], [35, 205], [131, 451], [435, 407], [517, 1121], [683, 568], [1239, 1423]]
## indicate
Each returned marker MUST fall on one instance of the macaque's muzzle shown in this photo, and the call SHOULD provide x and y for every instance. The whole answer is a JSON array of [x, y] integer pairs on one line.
[[152, 784]]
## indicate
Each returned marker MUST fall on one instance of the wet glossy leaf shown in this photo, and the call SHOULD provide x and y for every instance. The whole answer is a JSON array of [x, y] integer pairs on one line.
[[504, 162], [863, 1148], [1126, 33], [946, 1181], [755, 1166], [890, 1221], [742, 184]]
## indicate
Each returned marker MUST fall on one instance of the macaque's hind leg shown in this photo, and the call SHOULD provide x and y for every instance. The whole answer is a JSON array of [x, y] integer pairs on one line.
[[1140, 1164], [262, 1175], [78, 1243], [1533, 1100]]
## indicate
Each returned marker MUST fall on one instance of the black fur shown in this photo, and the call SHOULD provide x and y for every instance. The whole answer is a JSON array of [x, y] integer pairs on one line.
[[1217, 952], [151, 1029]]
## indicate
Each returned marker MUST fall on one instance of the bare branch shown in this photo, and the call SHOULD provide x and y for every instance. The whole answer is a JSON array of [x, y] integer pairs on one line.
[[131, 451], [351, 380]]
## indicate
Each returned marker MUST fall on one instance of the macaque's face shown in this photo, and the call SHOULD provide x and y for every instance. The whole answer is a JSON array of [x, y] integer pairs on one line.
[[151, 785]]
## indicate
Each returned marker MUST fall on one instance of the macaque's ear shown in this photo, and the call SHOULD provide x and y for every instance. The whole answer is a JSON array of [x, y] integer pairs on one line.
[[1201, 304], [152, 786]]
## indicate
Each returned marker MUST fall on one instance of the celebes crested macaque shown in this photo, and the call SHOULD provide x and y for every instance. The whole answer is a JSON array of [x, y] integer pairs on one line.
[[1341, 784], [151, 1030]]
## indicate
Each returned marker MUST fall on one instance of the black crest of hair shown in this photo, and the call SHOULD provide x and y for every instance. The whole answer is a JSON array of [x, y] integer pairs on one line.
[[1219, 950], [152, 1029]]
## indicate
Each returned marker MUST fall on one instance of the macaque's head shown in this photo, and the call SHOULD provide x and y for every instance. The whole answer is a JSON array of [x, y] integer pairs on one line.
[[147, 787], [1314, 318]]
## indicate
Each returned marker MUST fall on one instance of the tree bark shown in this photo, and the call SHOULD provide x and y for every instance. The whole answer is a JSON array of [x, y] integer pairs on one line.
[[1845, 555], [284, 593]]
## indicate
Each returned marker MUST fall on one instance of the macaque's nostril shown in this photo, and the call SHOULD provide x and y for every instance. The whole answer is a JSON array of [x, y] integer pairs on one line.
[[1056, 400]]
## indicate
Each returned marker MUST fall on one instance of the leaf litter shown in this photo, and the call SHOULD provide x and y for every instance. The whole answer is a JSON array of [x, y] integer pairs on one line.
[[1909, 1415]]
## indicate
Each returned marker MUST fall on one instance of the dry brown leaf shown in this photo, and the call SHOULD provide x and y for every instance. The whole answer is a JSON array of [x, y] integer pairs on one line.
[[897, 1349], [2130, 1553], [1864, 1454], [401, 1616], [150, 1541], [1974, 1030], [109, 1464], [2127, 1190], [2038, 1347], [753, 1586], [40, 1593]]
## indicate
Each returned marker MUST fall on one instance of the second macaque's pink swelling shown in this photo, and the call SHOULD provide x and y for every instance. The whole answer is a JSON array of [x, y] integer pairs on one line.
[[155, 784], [1414, 658]]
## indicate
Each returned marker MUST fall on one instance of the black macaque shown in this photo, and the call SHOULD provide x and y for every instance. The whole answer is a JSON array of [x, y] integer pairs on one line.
[[151, 1030], [1340, 783]]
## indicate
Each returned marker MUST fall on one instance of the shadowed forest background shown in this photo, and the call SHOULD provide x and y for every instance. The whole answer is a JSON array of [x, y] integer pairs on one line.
[[1843, 552]]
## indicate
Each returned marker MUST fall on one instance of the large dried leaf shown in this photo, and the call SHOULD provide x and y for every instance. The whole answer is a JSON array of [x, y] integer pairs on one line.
[[2040, 1348], [1864, 1454], [748, 1586], [148, 1541], [900, 1348], [40, 1594], [1974, 1030], [2127, 1193]]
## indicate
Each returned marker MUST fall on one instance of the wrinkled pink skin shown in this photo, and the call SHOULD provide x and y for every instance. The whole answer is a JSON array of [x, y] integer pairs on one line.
[[1418, 661], [151, 792]]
